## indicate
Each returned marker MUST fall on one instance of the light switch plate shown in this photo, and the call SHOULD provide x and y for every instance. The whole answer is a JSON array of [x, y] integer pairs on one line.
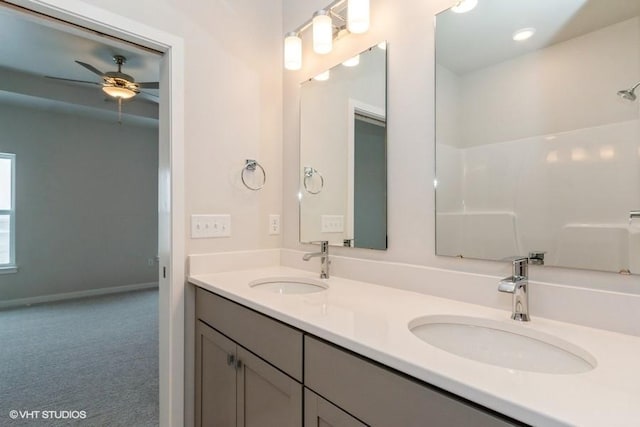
[[208, 226], [332, 224], [274, 224]]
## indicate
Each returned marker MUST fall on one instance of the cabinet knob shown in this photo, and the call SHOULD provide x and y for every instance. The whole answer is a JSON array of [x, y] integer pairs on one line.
[[231, 359], [239, 364]]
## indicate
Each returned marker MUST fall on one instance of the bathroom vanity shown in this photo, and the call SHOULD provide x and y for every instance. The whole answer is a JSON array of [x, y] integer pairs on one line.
[[345, 355], [246, 362]]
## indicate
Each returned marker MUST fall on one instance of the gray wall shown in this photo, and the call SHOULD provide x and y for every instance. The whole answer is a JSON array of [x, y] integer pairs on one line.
[[86, 202]]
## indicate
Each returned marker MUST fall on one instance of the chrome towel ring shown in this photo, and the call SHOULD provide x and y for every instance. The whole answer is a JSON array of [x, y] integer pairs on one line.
[[251, 166], [309, 173]]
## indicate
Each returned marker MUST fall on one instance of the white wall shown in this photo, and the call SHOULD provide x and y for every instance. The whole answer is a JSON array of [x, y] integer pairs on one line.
[[408, 27], [233, 104], [86, 202]]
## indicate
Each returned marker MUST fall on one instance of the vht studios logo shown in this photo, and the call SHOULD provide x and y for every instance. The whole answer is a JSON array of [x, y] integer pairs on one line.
[[48, 415]]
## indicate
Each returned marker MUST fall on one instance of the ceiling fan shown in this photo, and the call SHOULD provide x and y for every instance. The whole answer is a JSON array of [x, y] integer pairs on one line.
[[117, 84]]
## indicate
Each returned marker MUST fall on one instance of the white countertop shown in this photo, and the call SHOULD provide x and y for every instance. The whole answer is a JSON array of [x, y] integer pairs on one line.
[[372, 320]]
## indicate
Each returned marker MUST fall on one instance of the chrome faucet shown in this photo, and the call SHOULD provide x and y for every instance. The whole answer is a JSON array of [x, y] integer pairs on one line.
[[517, 284], [324, 258]]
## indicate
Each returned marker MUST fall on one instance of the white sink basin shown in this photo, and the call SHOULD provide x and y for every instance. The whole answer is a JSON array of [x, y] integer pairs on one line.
[[507, 345], [289, 285]]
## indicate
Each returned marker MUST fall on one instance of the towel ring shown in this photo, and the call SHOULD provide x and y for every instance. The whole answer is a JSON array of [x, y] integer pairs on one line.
[[252, 165], [309, 173]]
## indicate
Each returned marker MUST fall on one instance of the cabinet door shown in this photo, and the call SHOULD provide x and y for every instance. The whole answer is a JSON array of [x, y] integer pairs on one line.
[[266, 396], [319, 412], [215, 378]]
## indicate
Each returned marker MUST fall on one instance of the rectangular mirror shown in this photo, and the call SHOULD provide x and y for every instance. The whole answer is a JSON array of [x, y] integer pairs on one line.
[[538, 132], [343, 154]]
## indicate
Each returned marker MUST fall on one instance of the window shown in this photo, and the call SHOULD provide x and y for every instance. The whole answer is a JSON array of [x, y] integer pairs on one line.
[[7, 212]]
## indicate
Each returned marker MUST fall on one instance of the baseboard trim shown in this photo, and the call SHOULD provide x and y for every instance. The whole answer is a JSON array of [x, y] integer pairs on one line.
[[73, 295]]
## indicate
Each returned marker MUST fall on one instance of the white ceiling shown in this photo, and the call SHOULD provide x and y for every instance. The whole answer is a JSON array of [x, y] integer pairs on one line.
[[48, 48], [482, 37]]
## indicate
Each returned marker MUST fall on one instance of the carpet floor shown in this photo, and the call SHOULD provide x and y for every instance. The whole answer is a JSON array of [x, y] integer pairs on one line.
[[98, 355]]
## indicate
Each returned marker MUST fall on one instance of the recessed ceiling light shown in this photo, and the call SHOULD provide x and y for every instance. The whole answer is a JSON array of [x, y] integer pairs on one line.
[[523, 34], [464, 6]]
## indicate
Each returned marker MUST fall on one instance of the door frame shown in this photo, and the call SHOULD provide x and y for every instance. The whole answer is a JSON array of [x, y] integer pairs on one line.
[[171, 192], [354, 107]]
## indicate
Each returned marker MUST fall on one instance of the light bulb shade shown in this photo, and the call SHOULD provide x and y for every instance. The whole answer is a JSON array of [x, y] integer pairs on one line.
[[119, 92], [323, 76], [292, 51], [322, 32], [352, 62], [358, 16]]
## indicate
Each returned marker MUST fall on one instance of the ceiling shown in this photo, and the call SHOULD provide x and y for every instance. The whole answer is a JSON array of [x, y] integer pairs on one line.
[[33, 48], [469, 41]]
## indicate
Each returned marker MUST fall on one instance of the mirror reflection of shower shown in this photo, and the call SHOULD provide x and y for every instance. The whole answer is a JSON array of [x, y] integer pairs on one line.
[[629, 94]]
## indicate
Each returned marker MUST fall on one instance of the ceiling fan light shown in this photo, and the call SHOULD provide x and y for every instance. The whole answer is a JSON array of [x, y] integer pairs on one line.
[[119, 92]]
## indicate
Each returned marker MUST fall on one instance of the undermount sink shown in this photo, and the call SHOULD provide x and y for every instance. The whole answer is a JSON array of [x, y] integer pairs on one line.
[[502, 344], [289, 285]]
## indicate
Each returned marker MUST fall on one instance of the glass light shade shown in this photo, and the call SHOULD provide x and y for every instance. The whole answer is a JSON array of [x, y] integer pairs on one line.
[[352, 62], [464, 6], [118, 92], [322, 32], [323, 76], [358, 16], [292, 51]]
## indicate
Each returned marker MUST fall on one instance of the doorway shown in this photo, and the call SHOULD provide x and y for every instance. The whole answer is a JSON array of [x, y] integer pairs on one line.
[[171, 179]]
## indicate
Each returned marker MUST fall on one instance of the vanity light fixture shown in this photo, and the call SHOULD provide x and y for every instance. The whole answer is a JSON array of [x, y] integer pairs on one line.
[[322, 32], [464, 6], [326, 26], [292, 51], [358, 16], [523, 34], [352, 62]]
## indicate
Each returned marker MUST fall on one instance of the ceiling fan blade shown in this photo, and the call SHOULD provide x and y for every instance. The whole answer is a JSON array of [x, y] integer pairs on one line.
[[72, 80], [91, 68], [149, 85], [148, 97]]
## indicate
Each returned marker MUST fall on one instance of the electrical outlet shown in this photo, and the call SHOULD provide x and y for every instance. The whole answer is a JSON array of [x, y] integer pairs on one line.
[[274, 224], [332, 224], [207, 226]]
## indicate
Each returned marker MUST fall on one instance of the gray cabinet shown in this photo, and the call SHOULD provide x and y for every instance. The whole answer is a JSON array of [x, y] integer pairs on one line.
[[381, 397], [215, 378], [319, 412], [249, 372], [248, 367], [236, 388]]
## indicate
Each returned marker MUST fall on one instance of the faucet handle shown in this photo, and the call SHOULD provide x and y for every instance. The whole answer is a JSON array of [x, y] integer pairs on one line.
[[508, 285]]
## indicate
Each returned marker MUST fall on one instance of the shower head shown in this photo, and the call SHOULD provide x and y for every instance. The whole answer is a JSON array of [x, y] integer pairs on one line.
[[629, 94]]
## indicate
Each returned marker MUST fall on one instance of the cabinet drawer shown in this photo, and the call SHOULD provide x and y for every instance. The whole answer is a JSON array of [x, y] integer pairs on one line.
[[281, 345], [380, 397]]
